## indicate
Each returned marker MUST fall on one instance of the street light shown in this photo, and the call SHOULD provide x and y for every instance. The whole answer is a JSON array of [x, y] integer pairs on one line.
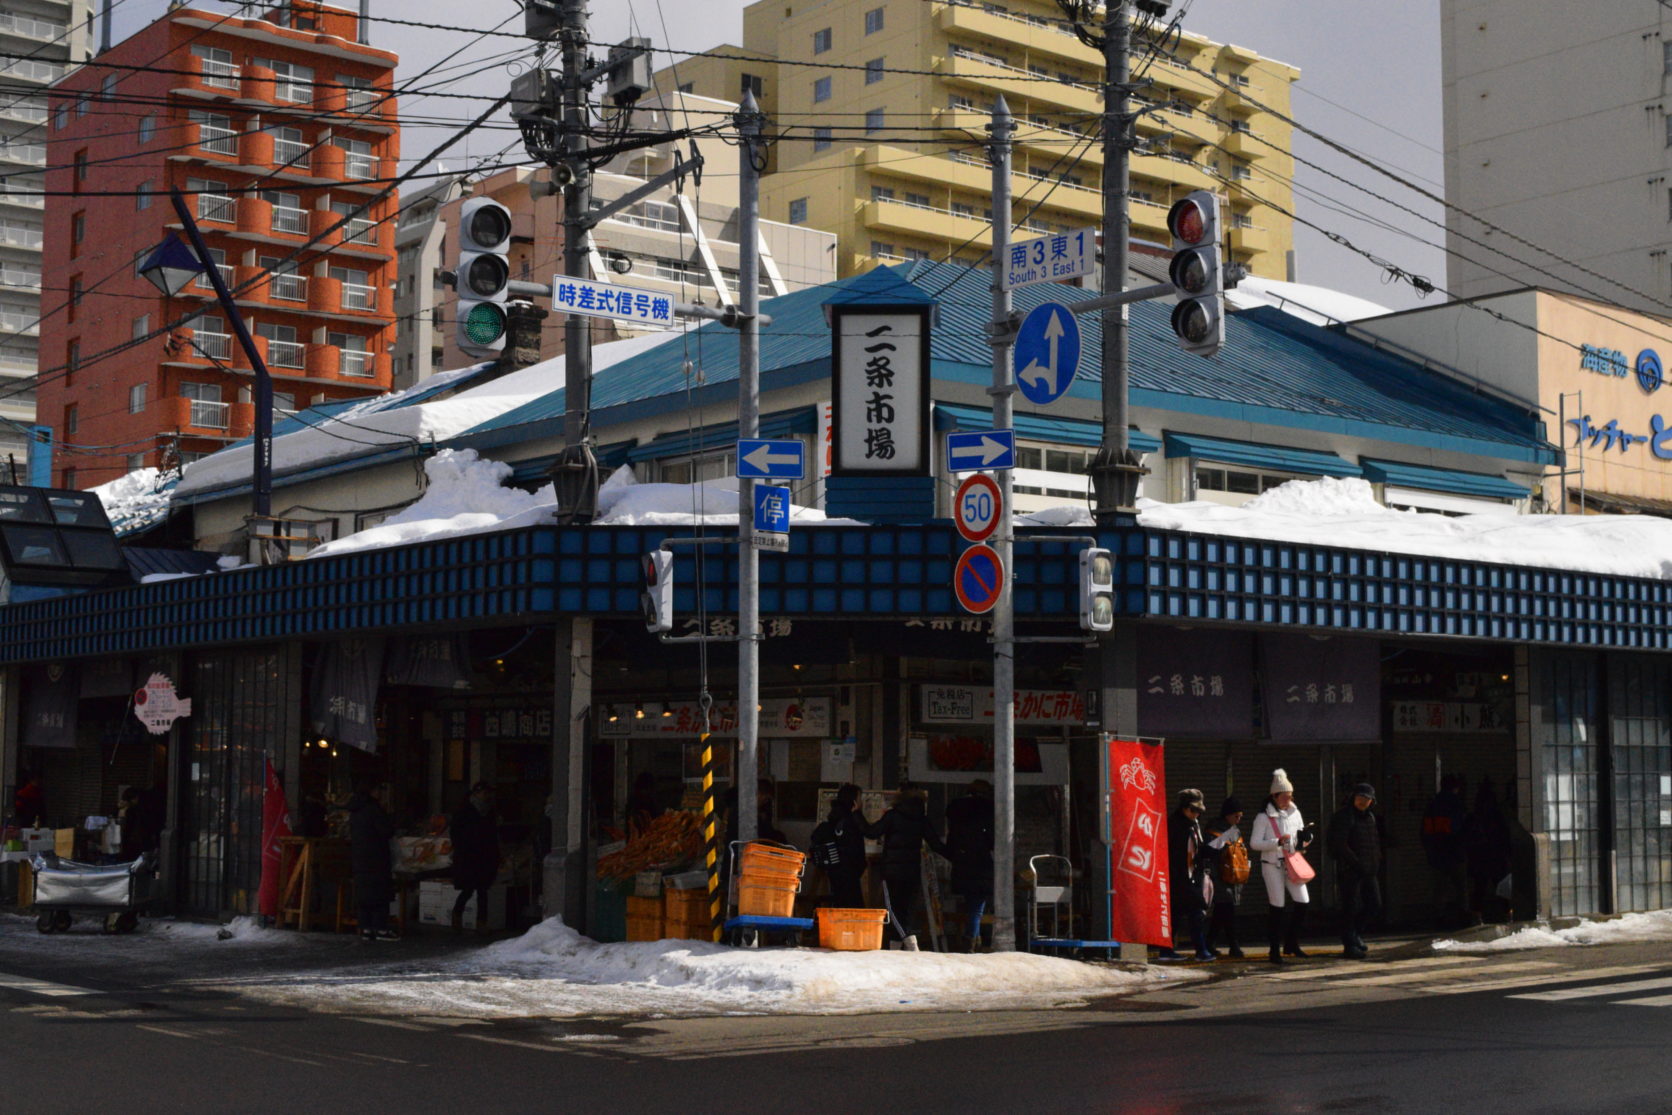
[[170, 267]]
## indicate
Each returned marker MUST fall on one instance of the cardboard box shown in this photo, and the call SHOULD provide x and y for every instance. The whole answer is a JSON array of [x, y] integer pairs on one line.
[[63, 843], [36, 840]]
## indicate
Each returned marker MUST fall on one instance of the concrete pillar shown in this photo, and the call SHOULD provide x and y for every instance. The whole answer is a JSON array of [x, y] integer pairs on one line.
[[567, 872]]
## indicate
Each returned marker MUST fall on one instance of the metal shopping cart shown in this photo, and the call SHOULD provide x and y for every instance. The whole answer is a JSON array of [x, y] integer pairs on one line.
[[115, 892]]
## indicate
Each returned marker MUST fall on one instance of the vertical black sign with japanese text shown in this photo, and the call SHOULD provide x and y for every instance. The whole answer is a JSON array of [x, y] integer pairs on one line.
[[880, 361]]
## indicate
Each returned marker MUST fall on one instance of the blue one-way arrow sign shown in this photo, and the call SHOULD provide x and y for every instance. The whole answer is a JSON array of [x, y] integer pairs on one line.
[[980, 449], [761, 459]]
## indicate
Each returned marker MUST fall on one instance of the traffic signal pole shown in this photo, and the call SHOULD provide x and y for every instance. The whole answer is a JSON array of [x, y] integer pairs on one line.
[[1004, 612], [576, 470], [749, 126]]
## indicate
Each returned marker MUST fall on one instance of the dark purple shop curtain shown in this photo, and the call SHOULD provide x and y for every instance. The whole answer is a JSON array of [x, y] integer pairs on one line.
[[51, 697], [1197, 683], [431, 661], [343, 704], [1321, 689]]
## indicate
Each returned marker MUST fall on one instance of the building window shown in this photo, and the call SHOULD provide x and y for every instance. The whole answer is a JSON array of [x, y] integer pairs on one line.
[[821, 139], [72, 361], [75, 293], [919, 200], [284, 401], [798, 211], [873, 21], [358, 162], [821, 41], [107, 88], [289, 147], [147, 128], [142, 326], [142, 195], [78, 231], [821, 90], [353, 352], [873, 120], [216, 66], [61, 116], [292, 82], [873, 71], [215, 133], [358, 290], [207, 410], [752, 84], [212, 204], [72, 418], [283, 349], [882, 193], [358, 94], [69, 478], [688, 87], [882, 249], [82, 102], [136, 398], [80, 168], [961, 209]]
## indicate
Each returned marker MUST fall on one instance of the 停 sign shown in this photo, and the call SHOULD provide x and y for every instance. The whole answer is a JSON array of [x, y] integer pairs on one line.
[[772, 518], [1141, 907], [590, 299], [1047, 259], [881, 364], [158, 706]]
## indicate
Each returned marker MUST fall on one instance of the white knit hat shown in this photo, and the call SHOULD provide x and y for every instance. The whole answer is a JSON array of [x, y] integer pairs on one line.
[[1280, 783]]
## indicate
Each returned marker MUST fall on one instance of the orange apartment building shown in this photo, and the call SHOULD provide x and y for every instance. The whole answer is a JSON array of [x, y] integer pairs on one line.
[[274, 128]]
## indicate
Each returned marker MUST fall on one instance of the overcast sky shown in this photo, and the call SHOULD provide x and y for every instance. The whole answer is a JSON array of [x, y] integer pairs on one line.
[[1370, 80]]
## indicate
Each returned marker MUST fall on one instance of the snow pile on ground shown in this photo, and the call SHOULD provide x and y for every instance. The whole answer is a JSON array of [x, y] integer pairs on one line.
[[465, 495], [553, 971], [137, 500], [1656, 925], [1344, 512]]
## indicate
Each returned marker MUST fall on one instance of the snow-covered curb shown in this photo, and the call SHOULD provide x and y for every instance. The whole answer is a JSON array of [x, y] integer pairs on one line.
[[1655, 925], [551, 971]]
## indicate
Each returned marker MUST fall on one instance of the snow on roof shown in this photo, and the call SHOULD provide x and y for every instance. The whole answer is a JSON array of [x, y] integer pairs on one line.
[[137, 501], [1316, 304], [383, 423]]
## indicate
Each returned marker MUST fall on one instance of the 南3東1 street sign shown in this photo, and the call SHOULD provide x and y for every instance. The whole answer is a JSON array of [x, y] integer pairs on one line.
[[978, 578], [977, 507], [762, 459], [1063, 255], [970, 450], [772, 518], [1046, 353]]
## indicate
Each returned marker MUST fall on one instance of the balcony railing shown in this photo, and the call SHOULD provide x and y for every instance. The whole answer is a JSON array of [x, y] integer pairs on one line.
[[293, 90], [209, 415], [290, 288], [20, 278], [33, 201], [213, 137], [360, 100], [360, 230], [284, 354], [25, 108], [226, 271], [32, 153], [359, 166], [355, 363], [19, 321], [359, 296], [215, 346], [288, 218], [33, 71], [216, 207], [218, 74], [39, 29], [290, 151], [20, 235]]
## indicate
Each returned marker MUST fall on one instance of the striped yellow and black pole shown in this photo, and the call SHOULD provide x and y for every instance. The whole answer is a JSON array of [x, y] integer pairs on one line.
[[710, 838]]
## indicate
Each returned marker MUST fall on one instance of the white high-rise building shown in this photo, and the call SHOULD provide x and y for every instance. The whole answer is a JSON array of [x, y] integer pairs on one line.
[[39, 41], [1558, 130]]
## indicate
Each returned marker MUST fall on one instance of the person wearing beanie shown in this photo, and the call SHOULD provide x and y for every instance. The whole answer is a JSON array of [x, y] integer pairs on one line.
[[1355, 844], [1191, 881], [1223, 837], [1276, 832]]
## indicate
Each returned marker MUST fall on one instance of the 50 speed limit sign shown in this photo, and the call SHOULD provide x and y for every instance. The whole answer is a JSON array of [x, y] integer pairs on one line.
[[977, 507]]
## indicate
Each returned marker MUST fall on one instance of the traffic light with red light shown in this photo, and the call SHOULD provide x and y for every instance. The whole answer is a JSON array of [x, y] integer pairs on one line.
[[1199, 317]]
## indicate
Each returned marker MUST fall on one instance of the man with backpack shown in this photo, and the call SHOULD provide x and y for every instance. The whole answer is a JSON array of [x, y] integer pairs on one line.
[[1225, 840], [838, 847]]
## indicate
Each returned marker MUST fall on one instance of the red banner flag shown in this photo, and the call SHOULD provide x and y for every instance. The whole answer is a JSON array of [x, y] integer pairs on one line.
[[275, 822], [1141, 910]]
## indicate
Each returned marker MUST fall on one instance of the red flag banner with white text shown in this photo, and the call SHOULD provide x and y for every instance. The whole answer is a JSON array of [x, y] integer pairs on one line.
[[1140, 910], [275, 822]]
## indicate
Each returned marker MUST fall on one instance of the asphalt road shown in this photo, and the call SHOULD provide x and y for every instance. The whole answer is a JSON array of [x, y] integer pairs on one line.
[[1555, 1030]]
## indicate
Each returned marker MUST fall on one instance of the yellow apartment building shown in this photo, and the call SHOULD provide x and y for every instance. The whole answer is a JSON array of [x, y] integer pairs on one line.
[[879, 110]]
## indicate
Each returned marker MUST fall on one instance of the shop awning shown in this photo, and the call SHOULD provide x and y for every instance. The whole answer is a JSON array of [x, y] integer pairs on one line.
[[1037, 427], [1277, 458], [1442, 480], [684, 443]]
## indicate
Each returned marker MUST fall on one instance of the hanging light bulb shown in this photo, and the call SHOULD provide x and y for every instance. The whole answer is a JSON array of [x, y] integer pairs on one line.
[[610, 712], [638, 712]]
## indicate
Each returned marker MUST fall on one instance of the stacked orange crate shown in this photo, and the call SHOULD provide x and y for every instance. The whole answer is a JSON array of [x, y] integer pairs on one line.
[[769, 878]]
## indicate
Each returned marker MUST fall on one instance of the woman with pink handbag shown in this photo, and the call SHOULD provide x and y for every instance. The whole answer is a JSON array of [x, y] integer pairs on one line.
[[1279, 835]]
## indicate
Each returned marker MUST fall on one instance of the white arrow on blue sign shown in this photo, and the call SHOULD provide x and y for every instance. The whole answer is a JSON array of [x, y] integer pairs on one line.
[[972, 450], [1047, 353], [762, 459]]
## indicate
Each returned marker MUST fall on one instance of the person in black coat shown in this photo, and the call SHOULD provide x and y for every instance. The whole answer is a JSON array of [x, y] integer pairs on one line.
[[904, 830], [369, 831], [1187, 868], [475, 854], [969, 844], [839, 849], [1355, 843]]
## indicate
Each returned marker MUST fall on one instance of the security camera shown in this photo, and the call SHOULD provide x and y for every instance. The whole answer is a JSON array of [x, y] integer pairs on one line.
[[620, 264]]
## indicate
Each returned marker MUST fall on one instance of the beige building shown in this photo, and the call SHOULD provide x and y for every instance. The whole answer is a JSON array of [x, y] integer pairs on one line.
[[880, 107], [678, 240], [1594, 371], [1557, 129]]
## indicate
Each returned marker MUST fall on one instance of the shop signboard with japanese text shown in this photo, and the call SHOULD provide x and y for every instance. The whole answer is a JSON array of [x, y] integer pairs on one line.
[[966, 704], [881, 366], [1140, 907], [780, 717]]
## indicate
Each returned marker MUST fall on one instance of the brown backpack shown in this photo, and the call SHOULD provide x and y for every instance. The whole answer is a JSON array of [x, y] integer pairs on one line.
[[1233, 863]]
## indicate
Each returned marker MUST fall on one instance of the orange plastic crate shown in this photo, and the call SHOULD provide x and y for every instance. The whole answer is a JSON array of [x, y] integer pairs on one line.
[[682, 905], [850, 930], [764, 898], [644, 928], [771, 859]]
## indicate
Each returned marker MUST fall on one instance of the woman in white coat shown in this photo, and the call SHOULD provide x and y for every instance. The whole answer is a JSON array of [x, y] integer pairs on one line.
[[1277, 830]]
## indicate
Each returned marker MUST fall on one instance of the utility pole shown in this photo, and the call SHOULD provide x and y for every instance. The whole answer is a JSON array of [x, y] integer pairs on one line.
[[1004, 612], [575, 473], [749, 128]]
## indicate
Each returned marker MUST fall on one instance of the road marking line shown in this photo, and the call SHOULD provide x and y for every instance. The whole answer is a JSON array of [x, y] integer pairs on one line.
[[1396, 978], [1593, 992], [1531, 981], [42, 987], [165, 1030], [1402, 965], [523, 1044], [1650, 1001], [393, 1022]]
